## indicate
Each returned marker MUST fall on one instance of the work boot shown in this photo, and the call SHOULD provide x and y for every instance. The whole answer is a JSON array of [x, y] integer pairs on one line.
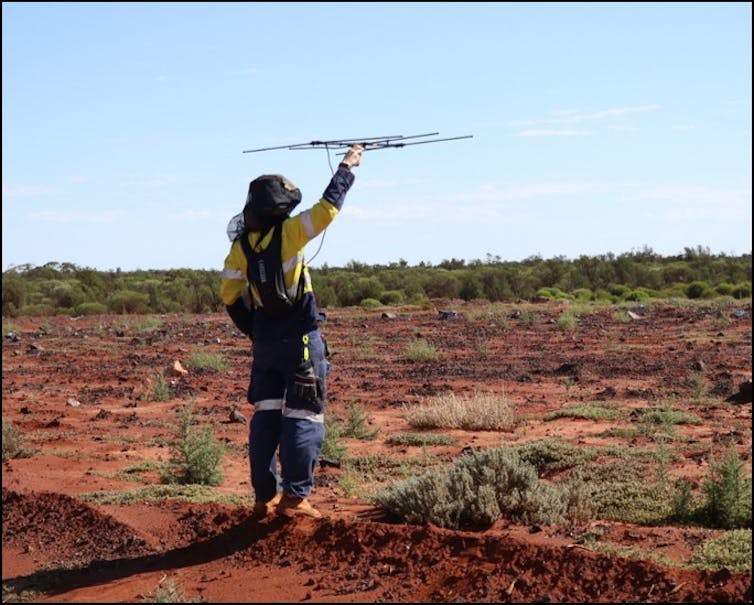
[[293, 506], [262, 509]]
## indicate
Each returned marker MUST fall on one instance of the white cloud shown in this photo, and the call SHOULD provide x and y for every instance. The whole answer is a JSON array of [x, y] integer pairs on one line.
[[605, 113], [393, 211], [159, 181], [571, 117], [10, 191], [53, 216], [486, 203], [622, 128], [554, 133], [385, 184], [486, 196], [703, 202], [193, 215]]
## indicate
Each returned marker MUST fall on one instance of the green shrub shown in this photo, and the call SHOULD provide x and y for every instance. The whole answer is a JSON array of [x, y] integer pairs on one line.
[[552, 455], [370, 303], [582, 294], [14, 294], [420, 300], [332, 449], [586, 411], [128, 301], [161, 390], [619, 491], [666, 417], [355, 425], [724, 289], [203, 361], [742, 290], [392, 297], [480, 488], [731, 551], [420, 350], [326, 295], [636, 295], [89, 308], [567, 321], [618, 290], [13, 442], [420, 439], [195, 453], [552, 293], [37, 310], [728, 494], [699, 289]]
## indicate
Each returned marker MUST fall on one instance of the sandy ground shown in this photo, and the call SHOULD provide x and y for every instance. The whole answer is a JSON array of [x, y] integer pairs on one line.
[[59, 548]]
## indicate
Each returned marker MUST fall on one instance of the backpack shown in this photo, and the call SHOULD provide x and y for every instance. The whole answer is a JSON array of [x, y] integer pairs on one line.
[[265, 270]]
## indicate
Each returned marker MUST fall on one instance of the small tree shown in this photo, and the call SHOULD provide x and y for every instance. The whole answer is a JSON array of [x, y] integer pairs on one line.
[[195, 453], [728, 494]]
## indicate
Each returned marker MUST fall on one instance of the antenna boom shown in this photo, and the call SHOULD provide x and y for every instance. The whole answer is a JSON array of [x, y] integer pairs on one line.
[[369, 143]]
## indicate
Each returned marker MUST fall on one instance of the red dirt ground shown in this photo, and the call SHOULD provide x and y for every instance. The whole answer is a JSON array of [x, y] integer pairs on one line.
[[59, 548]]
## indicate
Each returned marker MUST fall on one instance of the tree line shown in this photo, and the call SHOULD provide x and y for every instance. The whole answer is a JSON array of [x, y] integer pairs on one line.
[[65, 288]]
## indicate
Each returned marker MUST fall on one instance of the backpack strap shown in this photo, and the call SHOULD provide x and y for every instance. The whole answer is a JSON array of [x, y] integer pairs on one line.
[[248, 252], [275, 244]]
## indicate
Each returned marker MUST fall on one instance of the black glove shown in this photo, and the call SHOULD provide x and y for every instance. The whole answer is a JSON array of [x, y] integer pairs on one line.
[[305, 382]]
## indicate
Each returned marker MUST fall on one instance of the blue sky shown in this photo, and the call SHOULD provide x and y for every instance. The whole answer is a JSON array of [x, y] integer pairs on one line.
[[597, 128]]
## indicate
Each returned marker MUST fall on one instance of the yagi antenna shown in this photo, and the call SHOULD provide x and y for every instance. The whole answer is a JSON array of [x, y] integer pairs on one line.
[[368, 143]]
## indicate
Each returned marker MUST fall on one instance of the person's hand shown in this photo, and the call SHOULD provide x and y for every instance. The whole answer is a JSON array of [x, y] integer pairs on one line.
[[353, 156]]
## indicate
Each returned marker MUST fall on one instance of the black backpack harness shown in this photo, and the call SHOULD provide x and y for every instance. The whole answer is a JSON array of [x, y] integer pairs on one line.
[[264, 269]]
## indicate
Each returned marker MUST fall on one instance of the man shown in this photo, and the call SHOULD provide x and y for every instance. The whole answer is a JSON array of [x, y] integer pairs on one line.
[[267, 291]]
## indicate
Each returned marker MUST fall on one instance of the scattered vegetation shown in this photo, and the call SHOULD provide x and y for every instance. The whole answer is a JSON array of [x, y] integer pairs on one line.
[[355, 424], [168, 591], [14, 442], [481, 487], [546, 481], [420, 350], [481, 411], [696, 274], [10, 328], [727, 494], [198, 494], [553, 455], [732, 551], [587, 412], [420, 439], [207, 362], [365, 475], [567, 321], [161, 389], [332, 448], [195, 452]]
